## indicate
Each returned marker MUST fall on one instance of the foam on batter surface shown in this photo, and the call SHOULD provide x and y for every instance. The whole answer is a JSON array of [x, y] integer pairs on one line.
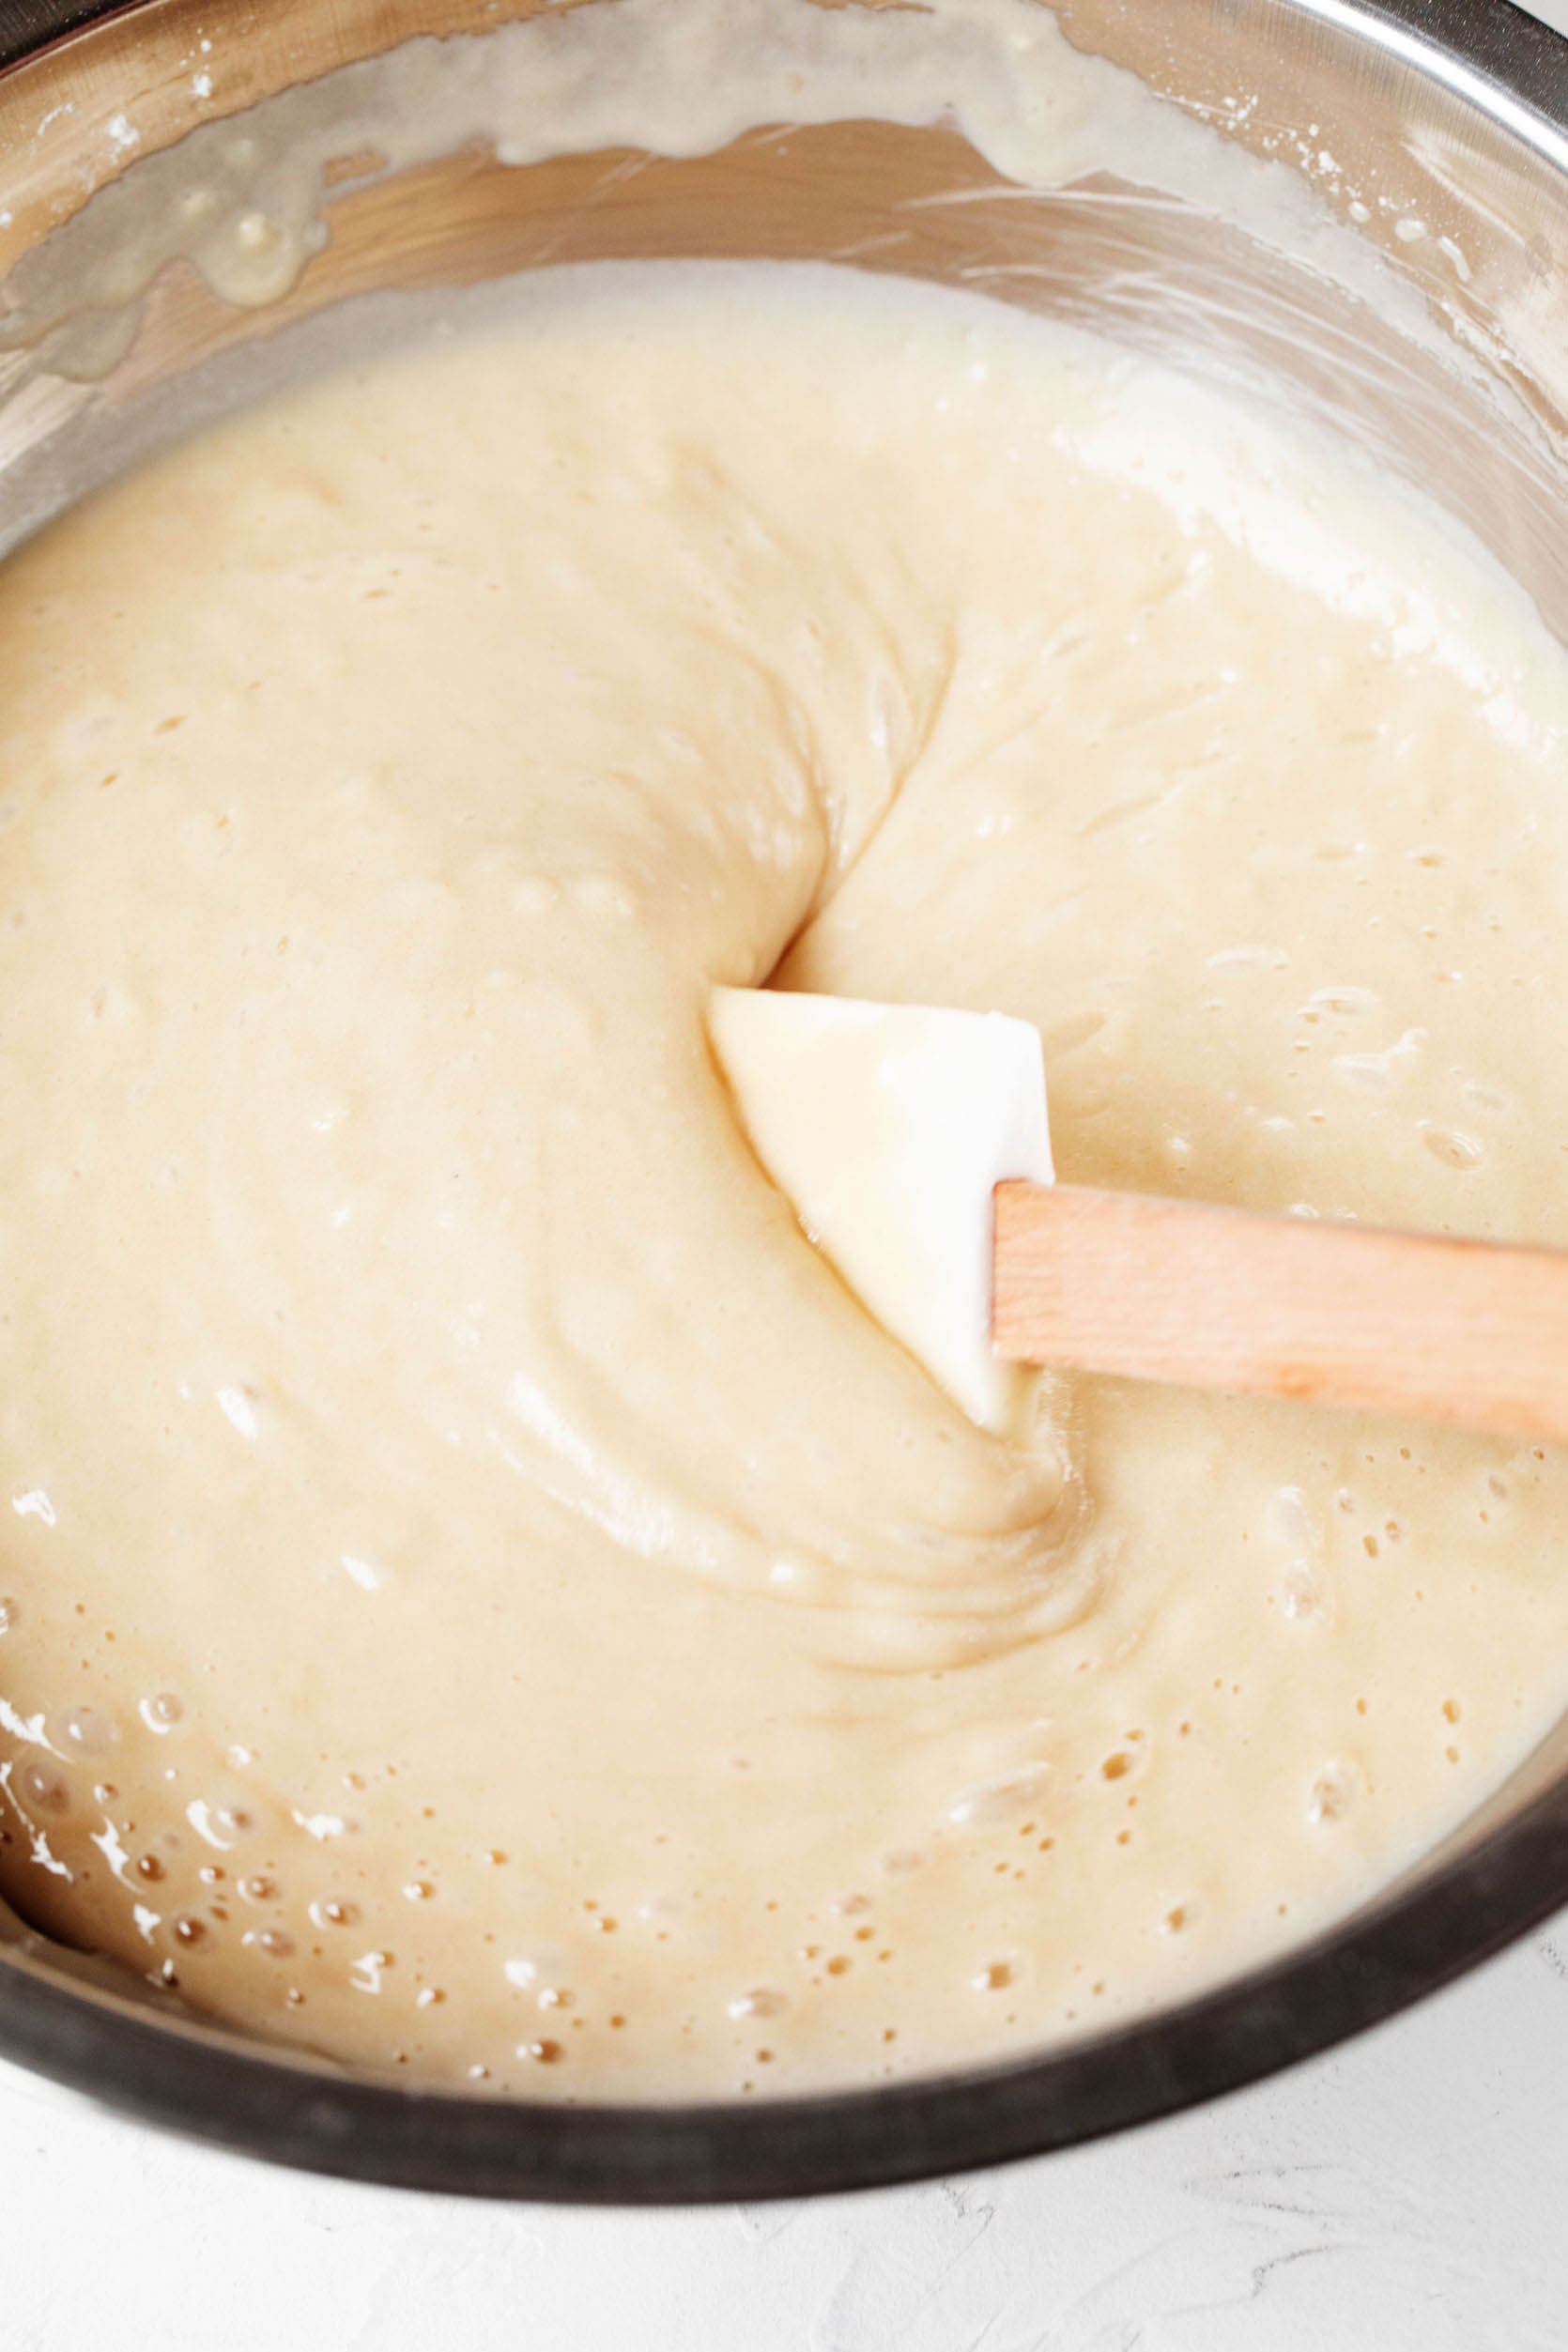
[[480, 1596]]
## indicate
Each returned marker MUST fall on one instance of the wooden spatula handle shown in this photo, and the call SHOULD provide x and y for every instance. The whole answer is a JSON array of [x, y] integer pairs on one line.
[[1474, 1332]]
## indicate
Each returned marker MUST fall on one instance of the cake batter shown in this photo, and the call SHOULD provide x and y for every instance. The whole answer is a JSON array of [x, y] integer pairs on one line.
[[480, 1597]]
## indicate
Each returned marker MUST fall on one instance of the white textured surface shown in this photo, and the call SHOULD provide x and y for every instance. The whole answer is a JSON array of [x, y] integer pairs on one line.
[[1405, 2196]]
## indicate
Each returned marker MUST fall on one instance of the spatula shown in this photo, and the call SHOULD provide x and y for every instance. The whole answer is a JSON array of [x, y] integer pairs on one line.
[[915, 1147]]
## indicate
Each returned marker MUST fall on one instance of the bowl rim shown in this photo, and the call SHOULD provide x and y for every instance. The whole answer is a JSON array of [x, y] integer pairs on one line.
[[207, 2083]]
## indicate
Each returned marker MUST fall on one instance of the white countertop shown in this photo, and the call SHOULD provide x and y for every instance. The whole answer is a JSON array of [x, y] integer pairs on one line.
[[1405, 2196], [1408, 2194]]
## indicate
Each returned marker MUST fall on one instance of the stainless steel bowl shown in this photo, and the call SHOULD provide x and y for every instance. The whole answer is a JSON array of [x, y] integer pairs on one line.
[[1456, 114]]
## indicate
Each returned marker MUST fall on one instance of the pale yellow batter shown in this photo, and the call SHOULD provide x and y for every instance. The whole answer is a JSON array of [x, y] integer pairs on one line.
[[480, 1596]]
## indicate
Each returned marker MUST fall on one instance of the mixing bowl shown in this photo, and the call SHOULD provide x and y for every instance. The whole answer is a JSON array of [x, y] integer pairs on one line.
[[1434, 130]]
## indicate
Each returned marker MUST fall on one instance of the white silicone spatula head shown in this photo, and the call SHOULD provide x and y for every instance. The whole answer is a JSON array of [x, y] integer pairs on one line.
[[888, 1127]]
